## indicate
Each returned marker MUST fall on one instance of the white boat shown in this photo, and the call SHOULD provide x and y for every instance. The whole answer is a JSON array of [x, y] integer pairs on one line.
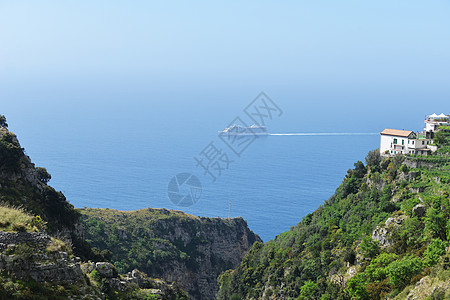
[[241, 130]]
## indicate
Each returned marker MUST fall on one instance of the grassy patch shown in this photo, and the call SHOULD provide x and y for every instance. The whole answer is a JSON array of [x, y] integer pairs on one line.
[[17, 219], [57, 245]]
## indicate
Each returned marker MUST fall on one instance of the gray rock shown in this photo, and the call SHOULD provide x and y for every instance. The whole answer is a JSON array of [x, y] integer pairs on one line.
[[417, 190], [87, 267], [419, 210], [383, 233], [105, 269]]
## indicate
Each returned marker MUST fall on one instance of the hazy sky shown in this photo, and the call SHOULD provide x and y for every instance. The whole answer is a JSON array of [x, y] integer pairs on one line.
[[323, 52]]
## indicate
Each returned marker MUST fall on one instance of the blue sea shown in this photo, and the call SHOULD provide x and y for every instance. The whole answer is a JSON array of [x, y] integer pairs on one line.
[[116, 100], [123, 154]]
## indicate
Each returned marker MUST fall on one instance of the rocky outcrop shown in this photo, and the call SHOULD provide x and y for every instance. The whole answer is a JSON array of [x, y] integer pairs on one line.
[[383, 233], [427, 288], [412, 175], [417, 162], [26, 171], [225, 244], [32, 256], [39, 257], [208, 246], [419, 210]]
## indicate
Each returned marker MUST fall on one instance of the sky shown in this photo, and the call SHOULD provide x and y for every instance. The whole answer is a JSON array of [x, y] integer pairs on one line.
[[336, 59]]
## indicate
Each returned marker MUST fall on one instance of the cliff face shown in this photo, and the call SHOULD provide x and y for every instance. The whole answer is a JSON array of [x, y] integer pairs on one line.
[[16, 166], [171, 245]]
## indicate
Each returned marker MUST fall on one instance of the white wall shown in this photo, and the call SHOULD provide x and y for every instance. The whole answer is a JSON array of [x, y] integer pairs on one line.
[[387, 143]]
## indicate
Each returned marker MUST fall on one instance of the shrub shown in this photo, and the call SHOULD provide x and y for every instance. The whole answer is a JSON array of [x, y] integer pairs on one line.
[[349, 256], [369, 247], [309, 290], [373, 160], [404, 169], [434, 251], [401, 271], [10, 152], [356, 286], [3, 121], [43, 175]]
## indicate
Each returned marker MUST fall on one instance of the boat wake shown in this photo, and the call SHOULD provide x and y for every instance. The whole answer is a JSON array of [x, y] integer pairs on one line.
[[322, 133]]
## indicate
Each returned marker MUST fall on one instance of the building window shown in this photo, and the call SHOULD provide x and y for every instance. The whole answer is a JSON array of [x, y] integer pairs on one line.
[[423, 142], [395, 141], [403, 142], [413, 142]]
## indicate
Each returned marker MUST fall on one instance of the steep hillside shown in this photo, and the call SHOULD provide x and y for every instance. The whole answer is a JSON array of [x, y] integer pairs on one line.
[[171, 245], [384, 233], [41, 240], [24, 185]]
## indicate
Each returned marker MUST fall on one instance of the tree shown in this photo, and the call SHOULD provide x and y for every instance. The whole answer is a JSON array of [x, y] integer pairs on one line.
[[369, 247], [309, 290], [43, 175], [10, 152], [3, 121], [436, 222], [442, 138], [373, 160], [401, 271], [360, 170], [434, 251], [356, 286]]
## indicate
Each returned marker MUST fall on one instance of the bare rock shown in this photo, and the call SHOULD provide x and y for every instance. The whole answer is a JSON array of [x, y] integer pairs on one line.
[[383, 233], [105, 269], [419, 210]]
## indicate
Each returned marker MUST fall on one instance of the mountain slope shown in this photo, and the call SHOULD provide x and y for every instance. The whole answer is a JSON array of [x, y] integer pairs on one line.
[[24, 185], [383, 230]]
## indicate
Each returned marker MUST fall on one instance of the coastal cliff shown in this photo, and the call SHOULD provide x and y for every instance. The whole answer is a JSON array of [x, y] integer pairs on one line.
[[171, 245]]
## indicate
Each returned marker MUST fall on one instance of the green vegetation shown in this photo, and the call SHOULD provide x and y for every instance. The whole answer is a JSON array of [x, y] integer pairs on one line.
[[3, 121], [143, 239], [16, 219], [43, 175], [17, 289], [51, 205], [10, 152], [134, 239], [315, 259], [442, 140]]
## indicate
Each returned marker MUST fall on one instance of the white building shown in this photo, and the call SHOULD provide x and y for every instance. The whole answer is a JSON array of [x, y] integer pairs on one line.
[[432, 122], [394, 141]]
